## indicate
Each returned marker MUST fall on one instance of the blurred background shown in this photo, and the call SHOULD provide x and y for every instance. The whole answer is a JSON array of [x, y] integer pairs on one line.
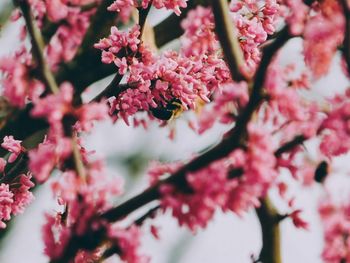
[[228, 238]]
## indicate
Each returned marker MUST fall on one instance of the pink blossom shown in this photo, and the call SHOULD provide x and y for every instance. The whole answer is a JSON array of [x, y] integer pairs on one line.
[[22, 196], [15, 197], [54, 107], [56, 9], [254, 24], [55, 237], [89, 113], [2, 164], [297, 220], [6, 200], [43, 160], [17, 83], [65, 43], [13, 146], [336, 128], [235, 183], [324, 32], [124, 7], [199, 37], [128, 241], [335, 219], [297, 15], [227, 102]]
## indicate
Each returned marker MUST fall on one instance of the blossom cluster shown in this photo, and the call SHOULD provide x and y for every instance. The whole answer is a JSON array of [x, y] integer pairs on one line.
[[15, 193], [335, 219], [18, 84], [235, 183], [158, 80], [323, 34], [255, 21], [68, 21], [82, 194], [125, 7], [199, 38], [335, 127]]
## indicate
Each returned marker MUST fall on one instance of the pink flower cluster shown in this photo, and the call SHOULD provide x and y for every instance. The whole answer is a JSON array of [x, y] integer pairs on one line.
[[233, 184], [288, 108], [324, 33], [56, 109], [255, 20], [128, 241], [199, 38], [160, 80], [125, 7], [67, 39], [15, 197], [72, 20], [296, 12], [18, 85], [83, 189], [82, 200], [15, 193], [118, 42], [227, 102], [13, 146], [336, 224], [335, 128]]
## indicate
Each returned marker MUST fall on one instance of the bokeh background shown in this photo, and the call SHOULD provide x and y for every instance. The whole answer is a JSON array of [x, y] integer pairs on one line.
[[228, 238]]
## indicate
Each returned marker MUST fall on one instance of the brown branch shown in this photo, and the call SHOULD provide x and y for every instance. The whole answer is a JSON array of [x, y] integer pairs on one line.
[[271, 247], [78, 161], [299, 139], [229, 143], [228, 38], [115, 91], [143, 13], [150, 213], [112, 89], [37, 46]]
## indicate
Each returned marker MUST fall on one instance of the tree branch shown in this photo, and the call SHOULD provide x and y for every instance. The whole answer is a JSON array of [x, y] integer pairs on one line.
[[229, 143], [37, 46], [228, 38], [112, 90], [271, 248], [299, 139]]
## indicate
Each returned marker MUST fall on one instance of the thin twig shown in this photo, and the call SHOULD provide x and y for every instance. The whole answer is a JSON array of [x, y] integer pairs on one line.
[[148, 214], [116, 91], [37, 46], [299, 139], [228, 38], [143, 13], [78, 162], [111, 89]]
